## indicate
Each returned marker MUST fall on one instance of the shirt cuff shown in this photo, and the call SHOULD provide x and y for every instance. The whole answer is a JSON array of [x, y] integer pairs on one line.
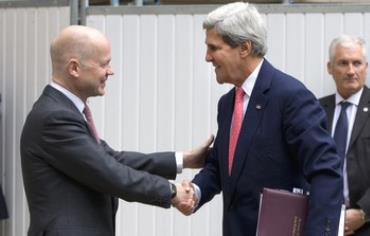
[[179, 161], [198, 195]]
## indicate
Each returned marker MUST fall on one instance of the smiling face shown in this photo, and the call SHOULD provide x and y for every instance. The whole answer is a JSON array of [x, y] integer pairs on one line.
[[95, 69], [80, 58], [348, 68], [226, 60]]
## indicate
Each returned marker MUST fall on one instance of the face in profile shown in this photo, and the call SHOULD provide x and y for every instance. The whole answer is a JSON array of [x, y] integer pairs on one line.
[[95, 69], [348, 68], [225, 59]]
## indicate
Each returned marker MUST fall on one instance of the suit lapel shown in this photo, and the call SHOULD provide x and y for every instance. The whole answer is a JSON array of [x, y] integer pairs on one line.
[[329, 106], [362, 115]]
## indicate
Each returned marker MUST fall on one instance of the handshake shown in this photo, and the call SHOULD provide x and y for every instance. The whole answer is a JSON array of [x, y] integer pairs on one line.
[[185, 200]]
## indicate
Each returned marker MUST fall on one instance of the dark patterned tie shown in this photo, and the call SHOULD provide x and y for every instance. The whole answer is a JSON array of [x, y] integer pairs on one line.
[[90, 123], [341, 130]]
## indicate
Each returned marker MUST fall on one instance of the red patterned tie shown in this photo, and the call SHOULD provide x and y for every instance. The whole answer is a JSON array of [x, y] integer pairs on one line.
[[90, 122], [236, 124]]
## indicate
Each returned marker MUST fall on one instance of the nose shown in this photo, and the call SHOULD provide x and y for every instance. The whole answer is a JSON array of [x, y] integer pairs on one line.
[[208, 57], [110, 71], [351, 69]]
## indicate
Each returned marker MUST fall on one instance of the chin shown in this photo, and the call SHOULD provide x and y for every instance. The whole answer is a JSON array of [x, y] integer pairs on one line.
[[100, 93], [219, 80]]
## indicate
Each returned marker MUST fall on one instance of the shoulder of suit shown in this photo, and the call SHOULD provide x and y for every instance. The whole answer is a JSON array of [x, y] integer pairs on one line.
[[327, 98]]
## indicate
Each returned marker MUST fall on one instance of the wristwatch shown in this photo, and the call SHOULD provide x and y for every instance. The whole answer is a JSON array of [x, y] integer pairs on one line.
[[173, 190]]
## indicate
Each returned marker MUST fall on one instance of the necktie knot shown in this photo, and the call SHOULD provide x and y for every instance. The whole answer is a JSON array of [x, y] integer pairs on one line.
[[344, 105], [239, 94]]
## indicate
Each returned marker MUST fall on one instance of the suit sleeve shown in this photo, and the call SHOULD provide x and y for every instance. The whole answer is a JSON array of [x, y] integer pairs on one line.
[[67, 146], [306, 135], [159, 163], [208, 179]]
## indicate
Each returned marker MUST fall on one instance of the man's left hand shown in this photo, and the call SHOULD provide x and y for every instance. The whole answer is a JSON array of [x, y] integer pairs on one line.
[[196, 158]]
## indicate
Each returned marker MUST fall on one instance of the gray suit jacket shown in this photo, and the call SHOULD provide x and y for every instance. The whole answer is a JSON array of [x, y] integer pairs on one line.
[[358, 154], [71, 182]]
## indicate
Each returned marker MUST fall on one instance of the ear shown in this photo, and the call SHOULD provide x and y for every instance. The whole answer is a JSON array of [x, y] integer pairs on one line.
[[73, 67], [245, 49], [328, 67]]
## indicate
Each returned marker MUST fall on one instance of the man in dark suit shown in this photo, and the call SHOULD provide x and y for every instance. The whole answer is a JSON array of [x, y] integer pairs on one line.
[[281, 141], [71, 176], [348, 67]]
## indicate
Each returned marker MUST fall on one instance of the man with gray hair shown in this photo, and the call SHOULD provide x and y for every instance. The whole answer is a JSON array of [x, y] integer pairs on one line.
[[349, 123], [271, 131]]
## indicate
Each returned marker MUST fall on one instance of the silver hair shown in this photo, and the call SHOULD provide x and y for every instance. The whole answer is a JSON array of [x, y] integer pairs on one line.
[[237, 23], [346, 40]]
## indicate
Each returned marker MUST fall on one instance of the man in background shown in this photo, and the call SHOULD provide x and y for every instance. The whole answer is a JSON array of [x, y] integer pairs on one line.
[[71, 177], [271, 131], [349, 123]]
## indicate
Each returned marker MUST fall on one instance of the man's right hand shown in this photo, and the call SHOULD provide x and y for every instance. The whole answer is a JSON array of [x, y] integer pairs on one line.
[[184, 200]]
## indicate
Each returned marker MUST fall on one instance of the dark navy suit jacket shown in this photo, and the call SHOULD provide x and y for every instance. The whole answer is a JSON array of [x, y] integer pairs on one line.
[[283, 144]]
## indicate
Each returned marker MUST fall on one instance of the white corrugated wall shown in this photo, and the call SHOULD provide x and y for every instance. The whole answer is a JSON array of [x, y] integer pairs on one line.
[[163, 95], [24, 71]]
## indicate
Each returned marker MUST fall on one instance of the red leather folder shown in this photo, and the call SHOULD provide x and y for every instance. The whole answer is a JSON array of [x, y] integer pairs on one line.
[[281, 213]]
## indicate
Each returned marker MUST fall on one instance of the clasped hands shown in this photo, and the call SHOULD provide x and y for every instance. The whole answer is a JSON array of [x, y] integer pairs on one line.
[[185, 200]]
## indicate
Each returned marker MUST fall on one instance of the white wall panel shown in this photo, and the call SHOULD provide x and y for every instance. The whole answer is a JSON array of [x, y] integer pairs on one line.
[[20, 208], [276, 40], [314, 52], [165, 105], [24, 71], [165, 95], [332, 28], [295, 41]]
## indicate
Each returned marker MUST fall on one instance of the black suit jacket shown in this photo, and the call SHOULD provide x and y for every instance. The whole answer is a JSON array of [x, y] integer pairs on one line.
[[71, 181], [358, 154]]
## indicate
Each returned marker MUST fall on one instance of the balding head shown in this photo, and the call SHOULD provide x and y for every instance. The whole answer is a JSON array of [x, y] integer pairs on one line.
[[80, 58], [74, 42]]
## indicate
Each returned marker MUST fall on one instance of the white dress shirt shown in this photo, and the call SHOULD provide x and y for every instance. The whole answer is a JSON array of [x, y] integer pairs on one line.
[[351, 110]]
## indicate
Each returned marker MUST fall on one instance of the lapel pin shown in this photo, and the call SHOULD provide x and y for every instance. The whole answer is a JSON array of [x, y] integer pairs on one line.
[[365, 109], [258, 107]]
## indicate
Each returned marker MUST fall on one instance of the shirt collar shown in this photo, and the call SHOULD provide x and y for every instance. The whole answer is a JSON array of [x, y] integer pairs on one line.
[[249, 83], [76, 100], [353, 99]]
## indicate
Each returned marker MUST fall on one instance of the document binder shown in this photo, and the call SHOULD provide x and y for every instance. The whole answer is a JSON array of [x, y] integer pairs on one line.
[[281, 213]]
